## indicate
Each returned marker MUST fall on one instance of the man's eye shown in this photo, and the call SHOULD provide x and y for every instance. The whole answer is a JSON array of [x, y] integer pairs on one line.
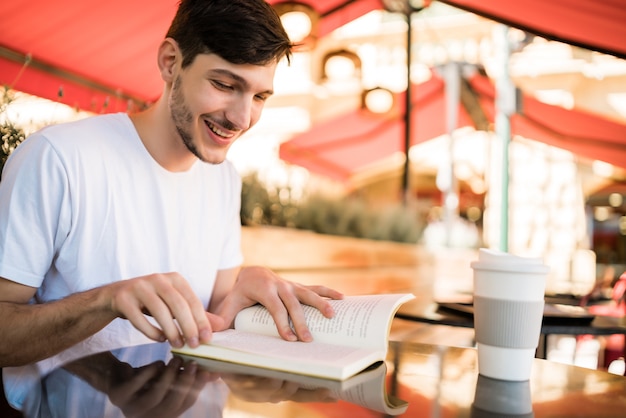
[[221, 85]]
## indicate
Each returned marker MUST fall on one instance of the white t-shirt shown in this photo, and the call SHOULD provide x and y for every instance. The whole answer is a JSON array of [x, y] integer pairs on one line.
[[90, 206]]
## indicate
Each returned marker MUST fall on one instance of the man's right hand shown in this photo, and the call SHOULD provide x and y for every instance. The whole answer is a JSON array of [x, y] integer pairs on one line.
[[171, 301]]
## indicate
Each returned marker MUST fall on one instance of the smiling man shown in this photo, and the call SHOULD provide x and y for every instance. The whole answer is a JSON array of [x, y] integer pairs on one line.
[[119, 222]]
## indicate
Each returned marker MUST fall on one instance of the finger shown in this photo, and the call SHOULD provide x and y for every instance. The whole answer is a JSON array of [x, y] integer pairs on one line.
[[295, 312], [229, 310], [317, 296], [277, 308], [312, 298], [326, 292], [185, 328], [125, 304], [161, 312], [195, 325], [217, 323]]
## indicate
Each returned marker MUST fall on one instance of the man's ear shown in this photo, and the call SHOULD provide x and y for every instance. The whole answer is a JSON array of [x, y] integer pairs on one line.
[[169, 59]]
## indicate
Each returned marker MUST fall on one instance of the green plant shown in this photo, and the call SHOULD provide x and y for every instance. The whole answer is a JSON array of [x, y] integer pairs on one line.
[[348, 216], [10, 134]]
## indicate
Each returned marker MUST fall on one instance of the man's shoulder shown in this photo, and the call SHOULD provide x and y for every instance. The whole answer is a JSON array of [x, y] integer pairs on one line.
[[95, 133], [89, 125]]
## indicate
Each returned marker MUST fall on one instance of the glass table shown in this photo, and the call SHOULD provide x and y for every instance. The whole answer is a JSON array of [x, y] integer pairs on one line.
[[416, 380]]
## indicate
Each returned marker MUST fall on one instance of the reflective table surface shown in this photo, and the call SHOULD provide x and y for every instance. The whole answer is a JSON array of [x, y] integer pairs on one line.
[[417, 380]]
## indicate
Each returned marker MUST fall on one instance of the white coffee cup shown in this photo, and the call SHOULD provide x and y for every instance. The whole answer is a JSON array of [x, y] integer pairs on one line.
[[508, 310]]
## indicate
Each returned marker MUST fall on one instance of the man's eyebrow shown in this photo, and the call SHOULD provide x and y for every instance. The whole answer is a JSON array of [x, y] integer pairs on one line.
[[236, 77]]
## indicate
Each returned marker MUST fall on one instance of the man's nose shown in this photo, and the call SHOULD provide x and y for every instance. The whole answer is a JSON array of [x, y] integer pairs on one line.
[[240, 113]]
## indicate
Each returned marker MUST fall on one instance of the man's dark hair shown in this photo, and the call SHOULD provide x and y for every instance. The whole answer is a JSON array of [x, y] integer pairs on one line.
[[239, 31]]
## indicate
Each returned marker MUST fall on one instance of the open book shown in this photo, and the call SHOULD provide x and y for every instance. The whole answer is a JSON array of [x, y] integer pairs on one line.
[[354, 339], [366, 389]]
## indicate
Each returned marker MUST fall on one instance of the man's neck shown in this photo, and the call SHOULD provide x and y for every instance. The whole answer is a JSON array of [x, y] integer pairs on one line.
[[161, 140]]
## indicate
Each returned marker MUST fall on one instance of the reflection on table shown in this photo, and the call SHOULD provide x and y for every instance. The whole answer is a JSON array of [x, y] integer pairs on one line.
[[566, 320], [417, 380]]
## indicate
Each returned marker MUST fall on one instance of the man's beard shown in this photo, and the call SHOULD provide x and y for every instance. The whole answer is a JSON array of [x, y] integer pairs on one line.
[[182, 117]]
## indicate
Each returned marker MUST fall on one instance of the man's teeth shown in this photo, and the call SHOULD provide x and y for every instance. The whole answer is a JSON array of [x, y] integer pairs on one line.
[[217, 131]]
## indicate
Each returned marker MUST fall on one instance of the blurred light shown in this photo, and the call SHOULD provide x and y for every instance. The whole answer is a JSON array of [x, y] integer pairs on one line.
[[298, 25], [556, 97], [616, 200], [463, 170], [601, 213], [451, 201], [602, 169], [300, 22], [473, 213], [617, 367], [622, 225], [378, 100], [420, 73], [478, 185], [583, 271], [471, 51], [339, 67], [617, 101]]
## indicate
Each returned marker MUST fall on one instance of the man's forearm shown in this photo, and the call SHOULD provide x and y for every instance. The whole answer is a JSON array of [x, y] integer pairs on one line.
[[34, 332]]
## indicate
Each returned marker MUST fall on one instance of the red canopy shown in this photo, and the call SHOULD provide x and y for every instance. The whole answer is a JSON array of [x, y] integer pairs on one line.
[[341, 147], [100, 53], [97, 55], [598, 25], [583, 133], [345, 145]]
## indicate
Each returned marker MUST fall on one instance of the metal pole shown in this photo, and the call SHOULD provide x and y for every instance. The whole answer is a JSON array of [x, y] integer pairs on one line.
[[505, 106], [406, 179]]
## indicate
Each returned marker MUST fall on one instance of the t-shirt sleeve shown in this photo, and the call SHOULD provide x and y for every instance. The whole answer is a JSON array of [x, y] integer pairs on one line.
[[34, 211]]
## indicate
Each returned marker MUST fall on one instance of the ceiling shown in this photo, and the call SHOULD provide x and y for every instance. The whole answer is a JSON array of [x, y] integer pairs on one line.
[[100, 55]]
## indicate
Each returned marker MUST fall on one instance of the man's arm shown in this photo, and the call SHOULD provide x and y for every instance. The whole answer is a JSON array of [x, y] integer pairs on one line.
[[31, 332], [238, 288]]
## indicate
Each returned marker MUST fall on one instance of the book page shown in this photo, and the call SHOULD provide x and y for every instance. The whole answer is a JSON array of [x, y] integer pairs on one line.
[[359, 320], [314, 359], [279, 348]]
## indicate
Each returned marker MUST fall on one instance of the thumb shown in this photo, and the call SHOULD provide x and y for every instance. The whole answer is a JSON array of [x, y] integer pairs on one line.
[[217, 322], [227, 315]]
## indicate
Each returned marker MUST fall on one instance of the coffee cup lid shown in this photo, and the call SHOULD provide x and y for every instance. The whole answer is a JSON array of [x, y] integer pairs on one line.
[[489, 259]]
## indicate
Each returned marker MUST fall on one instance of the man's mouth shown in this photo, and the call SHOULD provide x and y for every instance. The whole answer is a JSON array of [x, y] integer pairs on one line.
[[217, 131]]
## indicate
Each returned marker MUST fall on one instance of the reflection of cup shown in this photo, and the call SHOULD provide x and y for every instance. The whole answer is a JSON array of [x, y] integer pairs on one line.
[[499, 398], [508, 310]]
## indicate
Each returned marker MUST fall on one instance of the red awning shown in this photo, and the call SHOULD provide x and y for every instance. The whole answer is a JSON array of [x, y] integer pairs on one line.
[[344, 146], [585, 134], [97, 55], [598, 25], [101, 54]]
